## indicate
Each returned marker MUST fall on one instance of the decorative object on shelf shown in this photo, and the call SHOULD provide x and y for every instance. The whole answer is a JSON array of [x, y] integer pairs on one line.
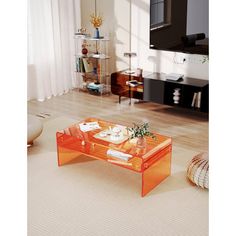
[[96, 87], [81, 31], [84, 48], [176, 95], [96, 34], [139, 132], [84, 51], [96, 22], [198, 170]]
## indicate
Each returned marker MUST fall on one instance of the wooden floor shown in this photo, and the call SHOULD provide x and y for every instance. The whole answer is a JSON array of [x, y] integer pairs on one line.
[[189, 129]]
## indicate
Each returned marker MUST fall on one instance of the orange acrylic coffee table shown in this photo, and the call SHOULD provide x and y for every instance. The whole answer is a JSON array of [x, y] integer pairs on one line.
[[153, 161]]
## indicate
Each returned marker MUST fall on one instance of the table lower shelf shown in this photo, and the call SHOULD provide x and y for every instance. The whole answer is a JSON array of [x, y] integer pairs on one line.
[[153, 171]]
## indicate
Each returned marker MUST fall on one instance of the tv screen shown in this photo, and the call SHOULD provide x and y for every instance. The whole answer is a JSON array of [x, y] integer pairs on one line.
[[180, 25]]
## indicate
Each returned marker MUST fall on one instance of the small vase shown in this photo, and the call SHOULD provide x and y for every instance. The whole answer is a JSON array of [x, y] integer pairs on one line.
[[176, 96], [141, 142], [96, 34]]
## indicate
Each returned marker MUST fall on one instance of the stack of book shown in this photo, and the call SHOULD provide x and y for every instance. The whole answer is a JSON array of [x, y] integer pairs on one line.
[[196, 102]]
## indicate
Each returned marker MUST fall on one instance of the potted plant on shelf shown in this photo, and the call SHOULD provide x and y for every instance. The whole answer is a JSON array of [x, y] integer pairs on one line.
[[139, 131]]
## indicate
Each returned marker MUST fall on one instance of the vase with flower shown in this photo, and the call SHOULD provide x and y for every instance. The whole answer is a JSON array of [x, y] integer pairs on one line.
[[96, 21]]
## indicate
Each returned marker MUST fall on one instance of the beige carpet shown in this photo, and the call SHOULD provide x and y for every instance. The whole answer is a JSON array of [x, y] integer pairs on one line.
[[95, 198]]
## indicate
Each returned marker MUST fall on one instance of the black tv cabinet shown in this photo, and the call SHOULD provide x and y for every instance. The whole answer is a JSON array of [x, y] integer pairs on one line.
[[158, 89], [155, 88]]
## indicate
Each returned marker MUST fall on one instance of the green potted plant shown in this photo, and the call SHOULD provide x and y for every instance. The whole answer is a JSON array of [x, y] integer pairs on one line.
[[139, 131]]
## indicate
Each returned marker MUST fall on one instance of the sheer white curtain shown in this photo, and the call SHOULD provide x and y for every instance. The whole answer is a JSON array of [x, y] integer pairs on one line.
[[51, 26]]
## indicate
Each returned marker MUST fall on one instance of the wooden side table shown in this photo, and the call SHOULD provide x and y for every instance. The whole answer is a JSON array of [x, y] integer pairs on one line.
[[120, 85]]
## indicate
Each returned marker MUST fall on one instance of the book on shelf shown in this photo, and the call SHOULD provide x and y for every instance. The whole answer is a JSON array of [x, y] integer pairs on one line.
[[81, 66], [119, 155], [88, 65], [133, 83], [196, 102], [77, 64]]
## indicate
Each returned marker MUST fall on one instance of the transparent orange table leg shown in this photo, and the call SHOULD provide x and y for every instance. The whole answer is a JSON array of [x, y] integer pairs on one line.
[[156, 170], [66, 156]]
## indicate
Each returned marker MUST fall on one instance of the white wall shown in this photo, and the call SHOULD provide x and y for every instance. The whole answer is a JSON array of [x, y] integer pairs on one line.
[[116, 24]]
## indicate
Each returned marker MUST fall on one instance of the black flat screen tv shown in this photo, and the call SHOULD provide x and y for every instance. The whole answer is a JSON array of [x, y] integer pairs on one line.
[[180, 26]]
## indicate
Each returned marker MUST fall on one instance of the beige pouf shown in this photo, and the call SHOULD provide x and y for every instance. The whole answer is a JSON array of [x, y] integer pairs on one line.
[[34, 128], [198, 170]]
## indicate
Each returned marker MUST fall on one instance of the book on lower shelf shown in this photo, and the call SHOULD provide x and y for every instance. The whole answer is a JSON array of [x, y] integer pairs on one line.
[[77, 64], [81, 66], [133, 83], [88, 65], [196, 101], [119, 155]]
